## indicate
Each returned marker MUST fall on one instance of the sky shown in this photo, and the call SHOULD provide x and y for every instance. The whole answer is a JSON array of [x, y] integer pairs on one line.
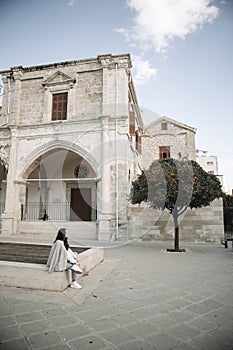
[[181, 50]]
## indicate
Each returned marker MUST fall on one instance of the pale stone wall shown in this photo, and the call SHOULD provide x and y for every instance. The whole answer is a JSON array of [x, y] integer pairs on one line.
[[197, 225]]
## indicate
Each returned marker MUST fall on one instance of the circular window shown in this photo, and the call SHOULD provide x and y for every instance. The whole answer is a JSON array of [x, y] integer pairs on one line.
[[81, 171]]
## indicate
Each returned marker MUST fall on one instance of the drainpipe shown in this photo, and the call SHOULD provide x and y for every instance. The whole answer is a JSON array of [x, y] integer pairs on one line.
[[116, 151]]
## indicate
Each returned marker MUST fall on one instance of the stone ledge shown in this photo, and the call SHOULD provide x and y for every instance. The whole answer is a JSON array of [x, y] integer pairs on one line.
[[36, 276]]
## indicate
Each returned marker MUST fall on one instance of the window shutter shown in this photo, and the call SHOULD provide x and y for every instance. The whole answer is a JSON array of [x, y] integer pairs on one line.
[[59, 108], [131, 123], [138, 142]]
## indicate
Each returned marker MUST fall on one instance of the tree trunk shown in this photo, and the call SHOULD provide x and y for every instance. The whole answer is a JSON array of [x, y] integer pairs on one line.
[[176, 225]]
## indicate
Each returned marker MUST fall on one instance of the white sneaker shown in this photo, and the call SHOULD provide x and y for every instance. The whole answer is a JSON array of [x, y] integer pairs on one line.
[[76, 268], [76, 285]]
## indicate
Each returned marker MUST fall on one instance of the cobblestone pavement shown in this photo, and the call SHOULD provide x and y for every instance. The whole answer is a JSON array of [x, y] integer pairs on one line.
[[139, 298]]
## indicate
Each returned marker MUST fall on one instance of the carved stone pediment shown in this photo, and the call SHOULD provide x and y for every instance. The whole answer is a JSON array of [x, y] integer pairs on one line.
[[58, 78]]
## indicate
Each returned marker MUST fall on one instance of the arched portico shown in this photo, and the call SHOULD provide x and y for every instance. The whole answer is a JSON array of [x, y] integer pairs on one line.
[[60, 185]]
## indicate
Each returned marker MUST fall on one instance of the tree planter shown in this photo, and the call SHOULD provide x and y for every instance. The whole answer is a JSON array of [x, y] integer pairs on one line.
[[180, 250]]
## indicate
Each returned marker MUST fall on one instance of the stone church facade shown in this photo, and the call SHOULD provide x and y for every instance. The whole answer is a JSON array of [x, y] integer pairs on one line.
[[72, 142], [70, 139]]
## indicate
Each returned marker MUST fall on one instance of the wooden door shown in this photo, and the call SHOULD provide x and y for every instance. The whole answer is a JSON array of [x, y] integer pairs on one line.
[[80, 204]]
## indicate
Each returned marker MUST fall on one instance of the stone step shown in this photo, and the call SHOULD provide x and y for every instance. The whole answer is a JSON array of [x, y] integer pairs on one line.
[[75, 229]]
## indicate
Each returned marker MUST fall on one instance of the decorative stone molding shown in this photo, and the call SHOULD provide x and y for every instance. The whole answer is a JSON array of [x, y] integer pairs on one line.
[[59, 79]]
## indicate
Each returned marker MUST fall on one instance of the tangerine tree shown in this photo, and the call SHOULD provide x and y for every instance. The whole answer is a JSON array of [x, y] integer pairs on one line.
[[175, 185]]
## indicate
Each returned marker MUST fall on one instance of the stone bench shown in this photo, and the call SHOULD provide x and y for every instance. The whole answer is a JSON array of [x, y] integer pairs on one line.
[[36, 276]]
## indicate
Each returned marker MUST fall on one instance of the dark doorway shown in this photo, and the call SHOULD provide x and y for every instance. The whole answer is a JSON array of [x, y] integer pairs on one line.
[[80, 204]]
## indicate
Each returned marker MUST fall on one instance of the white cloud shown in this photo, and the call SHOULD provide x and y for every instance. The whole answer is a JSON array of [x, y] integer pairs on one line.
[[157, 22], [142, 70], [70, 2]]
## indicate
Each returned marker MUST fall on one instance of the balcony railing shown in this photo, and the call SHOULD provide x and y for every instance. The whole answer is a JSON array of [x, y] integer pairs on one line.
[[34, 211]]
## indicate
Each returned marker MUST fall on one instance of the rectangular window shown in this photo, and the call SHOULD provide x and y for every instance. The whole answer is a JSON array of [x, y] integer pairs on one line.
[[164, 126], [59, 110], [164, 152]]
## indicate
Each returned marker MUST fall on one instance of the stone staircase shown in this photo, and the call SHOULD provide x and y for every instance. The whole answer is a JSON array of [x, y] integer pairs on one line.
[[77, 230]]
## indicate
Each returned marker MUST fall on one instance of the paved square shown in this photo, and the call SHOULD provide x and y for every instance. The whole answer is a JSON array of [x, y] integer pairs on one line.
[[138, 298]]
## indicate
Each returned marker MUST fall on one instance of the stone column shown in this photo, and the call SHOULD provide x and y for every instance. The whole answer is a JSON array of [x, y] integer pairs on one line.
[[104, 217], [11, 214]]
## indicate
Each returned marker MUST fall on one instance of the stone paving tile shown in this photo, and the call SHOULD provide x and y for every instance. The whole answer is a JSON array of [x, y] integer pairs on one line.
[[63, 321], [20, 309], [58, 311], [117, 336], [220, 317], [206, 342], [202, 324], [35, 327], [16, 344], [136, 345], [4, 311], [223, 336], [91, 342], [163, 308], [185, 346], [204, 307], [124, 318], [183, 332], [74, 331], [162, 321], [45, 339], [7, 321], [29, 317], [102, 325], [194, 298], [163, 341], [145, 312], [10, 332], [181, 315], [179, 303], [227, 296], [141, 328], [59, 346]]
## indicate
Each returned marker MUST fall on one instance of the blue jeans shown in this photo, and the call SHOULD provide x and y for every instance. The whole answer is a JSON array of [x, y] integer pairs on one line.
[[73, 273]]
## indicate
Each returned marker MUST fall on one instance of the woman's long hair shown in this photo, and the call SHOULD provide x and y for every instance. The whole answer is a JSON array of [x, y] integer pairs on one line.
[[61, 235], [66, 244]]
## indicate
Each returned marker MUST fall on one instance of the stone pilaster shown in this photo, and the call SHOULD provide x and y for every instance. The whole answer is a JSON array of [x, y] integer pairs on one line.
[[9, 217]]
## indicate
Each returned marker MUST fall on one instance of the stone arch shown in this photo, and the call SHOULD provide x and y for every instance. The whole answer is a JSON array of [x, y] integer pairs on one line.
[[32, 160]]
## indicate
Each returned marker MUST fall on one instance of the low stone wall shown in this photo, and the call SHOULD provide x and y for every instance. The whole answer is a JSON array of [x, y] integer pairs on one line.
[[197, 225], [36, 276]]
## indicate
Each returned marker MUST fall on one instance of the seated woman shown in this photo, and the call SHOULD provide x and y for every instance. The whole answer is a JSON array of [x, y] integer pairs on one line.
[[58, 259]]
